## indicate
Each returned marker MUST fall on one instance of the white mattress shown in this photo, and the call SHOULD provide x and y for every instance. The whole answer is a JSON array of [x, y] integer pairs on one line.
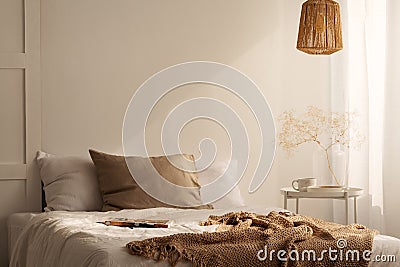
[[74, 239]]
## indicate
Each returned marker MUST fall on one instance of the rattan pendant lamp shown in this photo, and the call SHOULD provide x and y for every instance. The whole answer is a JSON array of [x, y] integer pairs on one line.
[[320, 29]]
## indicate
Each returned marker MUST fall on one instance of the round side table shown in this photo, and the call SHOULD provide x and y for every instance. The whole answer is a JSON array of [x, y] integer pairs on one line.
[[290, 193]]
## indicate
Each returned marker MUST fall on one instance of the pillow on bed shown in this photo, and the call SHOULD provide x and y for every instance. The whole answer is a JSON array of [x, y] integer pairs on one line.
[[120, 191], [69, 182], [233, 198]]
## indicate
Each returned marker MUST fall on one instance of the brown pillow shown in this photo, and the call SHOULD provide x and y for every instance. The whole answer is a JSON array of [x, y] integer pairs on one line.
[[120, 191]]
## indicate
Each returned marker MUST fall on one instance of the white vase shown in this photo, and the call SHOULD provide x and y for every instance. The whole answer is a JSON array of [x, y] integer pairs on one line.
[[320, 167], [321, 170], [338, 160]]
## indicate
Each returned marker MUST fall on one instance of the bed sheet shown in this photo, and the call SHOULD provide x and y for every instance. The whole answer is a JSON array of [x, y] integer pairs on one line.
[[75, 239], [15, 225]]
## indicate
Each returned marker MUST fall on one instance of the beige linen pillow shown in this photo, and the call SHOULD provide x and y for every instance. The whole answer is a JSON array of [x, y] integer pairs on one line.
[[70, 183], [120, 191]]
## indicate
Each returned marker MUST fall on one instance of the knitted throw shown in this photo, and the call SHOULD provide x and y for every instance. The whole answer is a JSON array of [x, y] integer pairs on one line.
[[278, 239]]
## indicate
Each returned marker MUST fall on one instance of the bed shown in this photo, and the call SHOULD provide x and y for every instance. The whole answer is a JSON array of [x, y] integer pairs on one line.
[[61, 238], [68, 233]]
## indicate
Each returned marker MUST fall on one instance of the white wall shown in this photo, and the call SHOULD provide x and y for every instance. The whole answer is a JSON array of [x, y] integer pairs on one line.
[[95, 54]]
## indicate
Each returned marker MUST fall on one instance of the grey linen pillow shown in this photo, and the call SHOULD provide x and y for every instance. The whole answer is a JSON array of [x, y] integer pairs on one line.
[[120, 191], [231, 199], [70, 183]]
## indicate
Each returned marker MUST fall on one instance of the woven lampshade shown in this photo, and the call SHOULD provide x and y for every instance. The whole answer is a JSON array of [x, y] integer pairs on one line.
[[320, 29]]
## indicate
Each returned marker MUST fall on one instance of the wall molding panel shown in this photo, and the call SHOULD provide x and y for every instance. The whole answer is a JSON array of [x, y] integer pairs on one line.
[[29, 61], [12, 61], [21, 114], [13, 172], [33, 108]]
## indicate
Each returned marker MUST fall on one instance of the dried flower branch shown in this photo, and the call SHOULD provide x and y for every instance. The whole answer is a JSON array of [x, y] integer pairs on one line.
[[315, 126]]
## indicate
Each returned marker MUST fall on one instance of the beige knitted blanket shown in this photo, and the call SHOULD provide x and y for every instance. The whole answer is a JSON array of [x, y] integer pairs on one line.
[[278, 239]]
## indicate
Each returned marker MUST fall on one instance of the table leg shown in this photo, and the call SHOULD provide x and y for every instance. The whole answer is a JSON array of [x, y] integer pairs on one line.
[[355, 209], [285, 201], [346, 201], [297, 205]]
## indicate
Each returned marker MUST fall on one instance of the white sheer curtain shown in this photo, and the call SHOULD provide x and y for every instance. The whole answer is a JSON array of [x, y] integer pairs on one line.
[[391, 134], [364, 79]]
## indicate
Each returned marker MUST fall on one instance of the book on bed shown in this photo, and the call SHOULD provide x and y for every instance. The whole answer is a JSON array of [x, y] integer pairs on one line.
[[136, 223]]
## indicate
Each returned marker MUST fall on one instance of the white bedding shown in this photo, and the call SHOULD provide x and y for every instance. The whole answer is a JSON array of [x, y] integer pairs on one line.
[[75, 239]]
